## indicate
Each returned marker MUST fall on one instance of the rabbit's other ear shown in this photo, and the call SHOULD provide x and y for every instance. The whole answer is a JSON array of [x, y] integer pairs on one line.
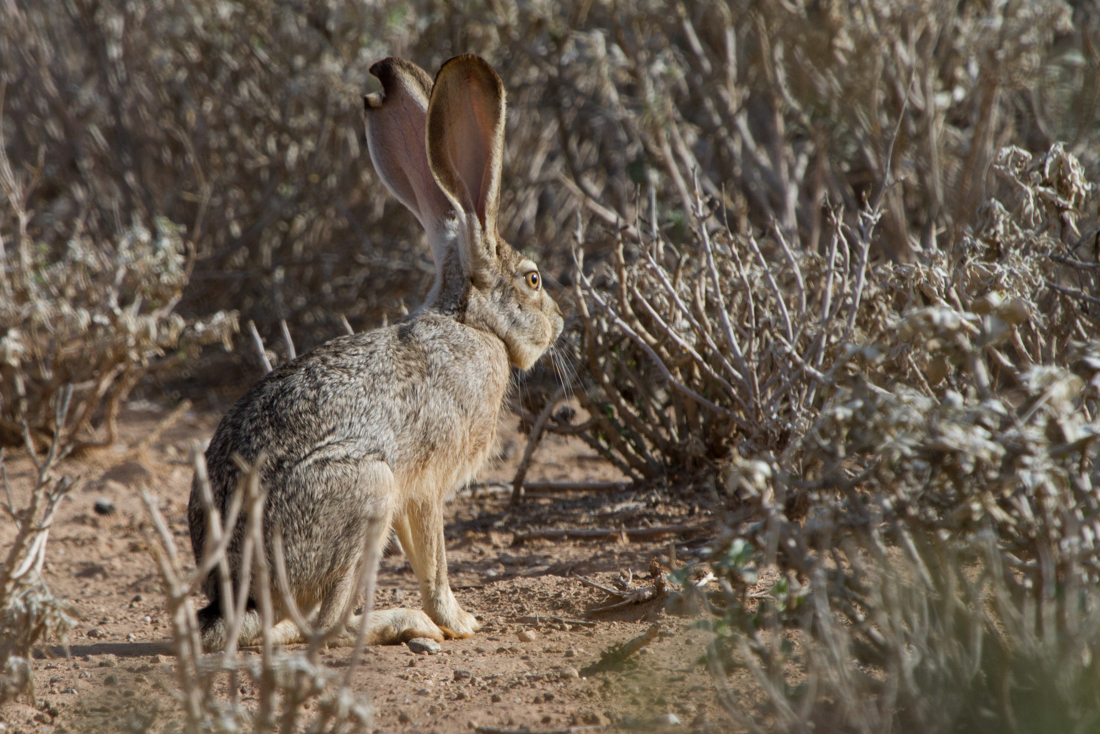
[[396, 124], [466, 148]]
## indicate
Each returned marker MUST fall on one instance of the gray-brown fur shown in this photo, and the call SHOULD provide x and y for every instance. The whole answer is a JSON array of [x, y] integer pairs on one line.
[[374, 430]]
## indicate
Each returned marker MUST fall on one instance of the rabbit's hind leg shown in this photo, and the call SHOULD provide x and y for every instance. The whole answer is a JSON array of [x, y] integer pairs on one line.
[[386, 627]]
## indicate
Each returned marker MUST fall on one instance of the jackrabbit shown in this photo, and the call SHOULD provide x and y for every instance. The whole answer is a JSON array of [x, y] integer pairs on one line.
[[372, 431]]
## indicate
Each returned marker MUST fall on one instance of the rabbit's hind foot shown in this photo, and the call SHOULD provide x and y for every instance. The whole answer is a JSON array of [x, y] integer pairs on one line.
[[214, 632], [394, 626], [458, 623]]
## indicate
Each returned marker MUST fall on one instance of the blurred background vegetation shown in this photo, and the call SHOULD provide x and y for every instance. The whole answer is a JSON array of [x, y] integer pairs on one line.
[[837, 274], [240, 122]]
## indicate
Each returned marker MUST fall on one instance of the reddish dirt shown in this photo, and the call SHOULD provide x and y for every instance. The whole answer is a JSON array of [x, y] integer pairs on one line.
[[118, 673]]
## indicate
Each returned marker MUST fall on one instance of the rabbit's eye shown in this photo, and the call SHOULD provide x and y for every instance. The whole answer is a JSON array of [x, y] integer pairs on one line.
[[533, 280]]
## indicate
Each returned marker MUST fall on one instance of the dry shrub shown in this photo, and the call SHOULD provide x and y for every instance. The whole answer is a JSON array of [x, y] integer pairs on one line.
[[732, 343], [241, 121], [296, 691], [29, 614], [92, 315], [911, 447]]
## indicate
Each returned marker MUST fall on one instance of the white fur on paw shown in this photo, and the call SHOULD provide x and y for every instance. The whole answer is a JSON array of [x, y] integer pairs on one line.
[[461, 624], [394, 626]]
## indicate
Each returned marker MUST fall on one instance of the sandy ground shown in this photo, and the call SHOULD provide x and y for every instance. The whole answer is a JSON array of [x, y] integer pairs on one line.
[[118, 672]]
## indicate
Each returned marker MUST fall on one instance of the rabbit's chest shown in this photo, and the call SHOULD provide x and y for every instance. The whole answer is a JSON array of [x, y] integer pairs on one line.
[[450, 427]]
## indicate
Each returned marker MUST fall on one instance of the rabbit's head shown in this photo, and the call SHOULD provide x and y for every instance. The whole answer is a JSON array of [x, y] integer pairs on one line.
[[439, 147]]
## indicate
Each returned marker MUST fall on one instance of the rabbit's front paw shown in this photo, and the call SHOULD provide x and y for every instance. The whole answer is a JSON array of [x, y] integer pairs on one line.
[[459, 624]]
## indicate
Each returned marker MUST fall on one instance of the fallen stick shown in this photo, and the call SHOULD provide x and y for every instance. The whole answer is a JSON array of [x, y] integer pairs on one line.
[[616, 656], [538, 619], [628, 596], [565, 487], [525, 730], [581, 533]]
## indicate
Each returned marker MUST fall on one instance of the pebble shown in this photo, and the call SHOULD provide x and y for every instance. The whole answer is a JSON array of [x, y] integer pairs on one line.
[[111, 680], [496, 698], [569, 672], [527, 635], [423, 692], [403, 718], [463, 675], [571, 653], [108, 660], [104, 507], [667, 720], [423, 646], [147, 619], [96, 633]]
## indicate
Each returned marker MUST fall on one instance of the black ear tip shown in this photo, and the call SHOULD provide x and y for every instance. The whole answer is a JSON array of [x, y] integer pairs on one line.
[[384, 68]]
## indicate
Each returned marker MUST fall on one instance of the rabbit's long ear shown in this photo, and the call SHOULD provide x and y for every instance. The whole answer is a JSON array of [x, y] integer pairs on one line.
[[466, 148], [396, 124]]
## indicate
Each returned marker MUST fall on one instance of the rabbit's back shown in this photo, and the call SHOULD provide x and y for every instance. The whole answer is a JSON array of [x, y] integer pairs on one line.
[[422, 397]]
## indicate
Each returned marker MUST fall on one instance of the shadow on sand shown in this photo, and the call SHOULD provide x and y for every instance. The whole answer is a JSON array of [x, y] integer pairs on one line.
[[121, 649]]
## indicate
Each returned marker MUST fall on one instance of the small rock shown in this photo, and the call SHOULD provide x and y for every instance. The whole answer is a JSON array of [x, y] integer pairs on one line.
[[138, 598], [92, 571], [667, 720], [587, 718], [106, 661], [96, 634], [147, 619], [104, 507], [130, 474], [569, 672], [111, 680], [471, 724], [527, 635], [687, 709], [424, 692], [403, 718], [460, 695], [131, 637], [496, 698], [463, 675], [423, 646], [570, 653]]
